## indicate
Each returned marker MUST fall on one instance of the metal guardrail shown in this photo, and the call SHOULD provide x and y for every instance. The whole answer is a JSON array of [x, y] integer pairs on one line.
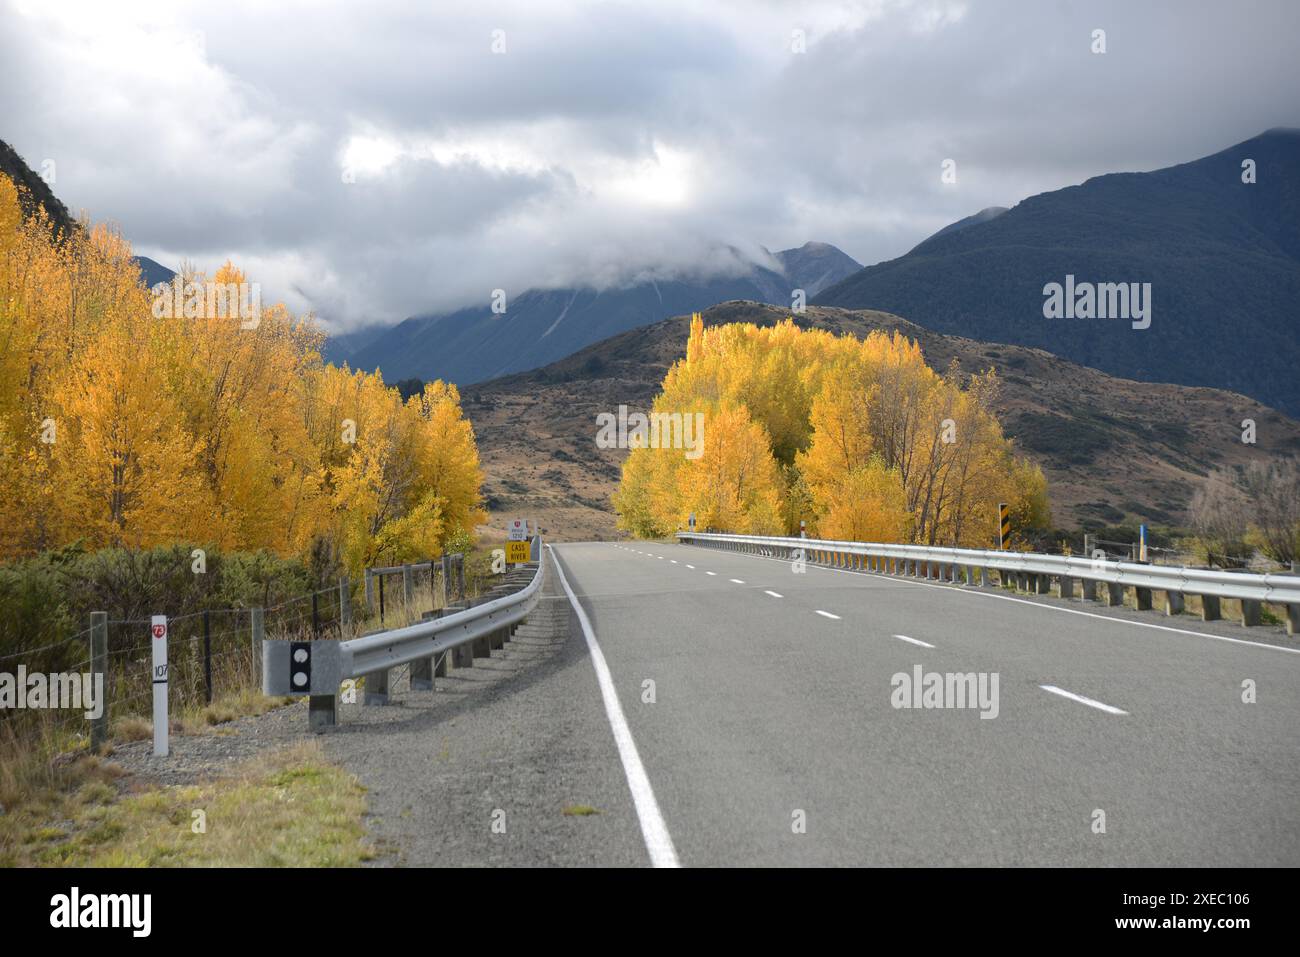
[[1032, 572], [318, 668]]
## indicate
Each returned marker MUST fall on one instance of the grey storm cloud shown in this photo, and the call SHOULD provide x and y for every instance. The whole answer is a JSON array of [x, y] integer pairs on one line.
[[374, 161]]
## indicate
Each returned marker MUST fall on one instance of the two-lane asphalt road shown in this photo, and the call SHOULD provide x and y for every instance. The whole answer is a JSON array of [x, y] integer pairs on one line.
[[770, 733]]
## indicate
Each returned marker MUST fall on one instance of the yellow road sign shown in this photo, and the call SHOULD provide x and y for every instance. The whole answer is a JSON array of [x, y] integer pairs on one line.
[[518, 552], [1004, 525]]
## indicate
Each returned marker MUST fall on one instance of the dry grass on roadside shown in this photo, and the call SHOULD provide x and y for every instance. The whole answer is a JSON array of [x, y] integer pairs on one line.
[[289, 808]]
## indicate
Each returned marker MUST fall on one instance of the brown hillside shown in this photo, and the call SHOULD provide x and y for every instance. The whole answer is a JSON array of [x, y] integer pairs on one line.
[[1113, 449]]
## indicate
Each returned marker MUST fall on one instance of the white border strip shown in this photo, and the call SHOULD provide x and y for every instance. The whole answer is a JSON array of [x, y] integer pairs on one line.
[[658, 842]]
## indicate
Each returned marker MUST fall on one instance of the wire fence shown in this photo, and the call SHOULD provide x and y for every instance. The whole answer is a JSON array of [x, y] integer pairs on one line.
[[211, 653]]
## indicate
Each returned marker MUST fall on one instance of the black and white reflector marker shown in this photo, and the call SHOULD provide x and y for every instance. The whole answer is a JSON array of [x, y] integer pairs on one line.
[[300, 665]]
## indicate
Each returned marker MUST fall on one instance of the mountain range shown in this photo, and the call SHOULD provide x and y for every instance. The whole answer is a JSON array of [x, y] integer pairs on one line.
[[544, 325], [1222, 256]]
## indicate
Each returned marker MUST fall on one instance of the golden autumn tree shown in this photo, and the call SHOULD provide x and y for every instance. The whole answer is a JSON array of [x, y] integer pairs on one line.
[[735, 484], [137, 417], [866, 441], [126, 469]]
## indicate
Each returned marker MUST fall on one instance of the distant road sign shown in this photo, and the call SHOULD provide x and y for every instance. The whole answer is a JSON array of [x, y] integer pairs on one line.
[[517, 553], [517, 531], [1004, 525]]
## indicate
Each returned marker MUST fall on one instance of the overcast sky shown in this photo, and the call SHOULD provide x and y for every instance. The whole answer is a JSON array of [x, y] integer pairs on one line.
[[608, 140]]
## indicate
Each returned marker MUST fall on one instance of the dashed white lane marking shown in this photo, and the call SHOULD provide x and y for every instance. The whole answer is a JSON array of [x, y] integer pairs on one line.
[[710, 573], [913, 641], [658, 842], [673, 560], [1082, 700], [691, 567], [773, 594], [736, 581], [827, 614]]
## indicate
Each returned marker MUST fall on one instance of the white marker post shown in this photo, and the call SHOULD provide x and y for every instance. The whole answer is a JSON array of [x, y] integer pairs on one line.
[[158, 632]]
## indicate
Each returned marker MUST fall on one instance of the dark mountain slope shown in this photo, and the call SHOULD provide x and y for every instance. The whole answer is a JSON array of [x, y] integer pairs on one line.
[[34, 192], [1223, 258]]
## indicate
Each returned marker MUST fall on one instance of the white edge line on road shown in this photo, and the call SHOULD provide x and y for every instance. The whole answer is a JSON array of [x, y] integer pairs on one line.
[[1082, 700], [827, 614], [658, 842], [913, 641], [976, 593], [772, 593]]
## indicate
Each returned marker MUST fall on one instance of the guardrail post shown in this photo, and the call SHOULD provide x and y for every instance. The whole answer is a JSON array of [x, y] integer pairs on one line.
[[345, 605], [462, 656], [1210, 610], [1250, 609], [322, 711], [1089, 588], [377, 688], [482, 647], [422, 669], [99, 666], [1292, 619], [1113, 595], [446, 579], [370, 591], [1174, 603], [460, 576], [408, 585], [1067, 586], [1142, 598]]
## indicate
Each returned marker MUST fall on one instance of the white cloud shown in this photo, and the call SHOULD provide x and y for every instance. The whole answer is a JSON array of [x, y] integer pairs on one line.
[[612, 139]]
